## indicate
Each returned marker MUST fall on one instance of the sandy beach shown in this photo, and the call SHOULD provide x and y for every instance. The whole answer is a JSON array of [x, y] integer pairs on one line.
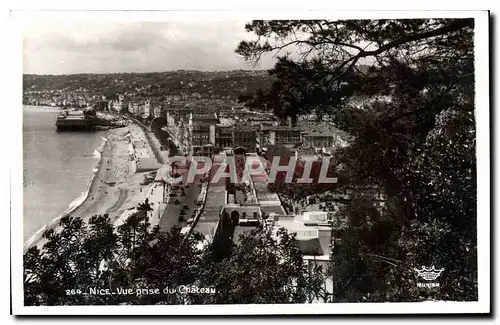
[[114, 166]]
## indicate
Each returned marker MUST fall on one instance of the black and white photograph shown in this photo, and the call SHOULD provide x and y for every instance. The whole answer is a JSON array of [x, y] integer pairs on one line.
[[232, 163]]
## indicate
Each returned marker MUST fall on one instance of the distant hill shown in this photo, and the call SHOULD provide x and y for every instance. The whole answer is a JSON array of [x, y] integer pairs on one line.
[[216, 84], [219, 83]]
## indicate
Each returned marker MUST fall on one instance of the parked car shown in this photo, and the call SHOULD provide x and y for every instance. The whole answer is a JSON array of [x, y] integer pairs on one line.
[[177, 202]]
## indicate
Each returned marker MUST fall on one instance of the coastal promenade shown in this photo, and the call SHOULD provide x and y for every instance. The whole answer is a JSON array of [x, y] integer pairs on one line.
[[116, 189], [155, 193], [187, 202], [160, 155], [152, 192], [165, 213]]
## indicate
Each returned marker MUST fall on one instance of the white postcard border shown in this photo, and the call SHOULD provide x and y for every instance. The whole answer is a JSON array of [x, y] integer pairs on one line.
[[483, 169]]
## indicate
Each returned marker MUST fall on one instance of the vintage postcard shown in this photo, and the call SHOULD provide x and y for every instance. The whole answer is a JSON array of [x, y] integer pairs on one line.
[[182, 163]]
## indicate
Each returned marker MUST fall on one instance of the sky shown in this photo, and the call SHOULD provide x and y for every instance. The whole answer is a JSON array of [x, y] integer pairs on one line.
[[61, 47]]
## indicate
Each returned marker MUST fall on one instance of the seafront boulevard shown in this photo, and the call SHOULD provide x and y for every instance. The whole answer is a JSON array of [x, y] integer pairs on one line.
[[172, 206]]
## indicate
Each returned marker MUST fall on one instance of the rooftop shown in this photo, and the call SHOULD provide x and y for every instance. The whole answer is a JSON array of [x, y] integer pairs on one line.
[[244, 128], [205, 117], [210, 214], [282, 128], [249, 210], [306, 151], [225, 122], [273, 209], [312, 240], [206, 228], [317, 134]]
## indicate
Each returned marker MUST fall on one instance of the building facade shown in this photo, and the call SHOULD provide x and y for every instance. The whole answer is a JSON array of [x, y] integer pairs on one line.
[[224, 137], [117, 105], [147, 108], [245, 137], [202, 132], [284, 135], [317, 139]]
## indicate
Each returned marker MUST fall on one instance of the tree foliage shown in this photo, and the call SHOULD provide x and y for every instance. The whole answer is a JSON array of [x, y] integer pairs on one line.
[[259, 270], [79, 257], [404, 91]]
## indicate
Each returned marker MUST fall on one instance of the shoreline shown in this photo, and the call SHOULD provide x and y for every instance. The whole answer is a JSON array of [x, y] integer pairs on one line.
[[101, 198], [73, 205], [117, 200], [36, 239]]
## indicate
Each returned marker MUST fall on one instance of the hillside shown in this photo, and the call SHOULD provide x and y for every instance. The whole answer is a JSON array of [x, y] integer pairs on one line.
[[158, 84]]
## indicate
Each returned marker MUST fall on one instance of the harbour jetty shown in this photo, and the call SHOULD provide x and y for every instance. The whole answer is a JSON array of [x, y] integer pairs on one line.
[[86, 120]]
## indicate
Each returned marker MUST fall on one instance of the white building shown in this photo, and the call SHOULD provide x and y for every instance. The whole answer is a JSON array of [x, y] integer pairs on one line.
[[117, 105], [159, 111], [314, 238], [147, 109]]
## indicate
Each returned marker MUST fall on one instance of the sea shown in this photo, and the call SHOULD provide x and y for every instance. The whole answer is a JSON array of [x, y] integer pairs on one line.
[[58, 168]]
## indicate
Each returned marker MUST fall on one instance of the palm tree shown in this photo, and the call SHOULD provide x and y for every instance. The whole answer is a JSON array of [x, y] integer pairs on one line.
[[133, 223], [144, 209], [128, 232]]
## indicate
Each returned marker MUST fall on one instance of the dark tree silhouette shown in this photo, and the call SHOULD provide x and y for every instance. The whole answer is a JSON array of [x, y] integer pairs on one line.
[[404, 91], [79, 256]]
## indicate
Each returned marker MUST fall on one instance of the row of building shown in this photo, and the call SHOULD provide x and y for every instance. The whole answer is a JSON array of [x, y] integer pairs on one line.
[[144, 108], [207, 133], [154, 107]]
